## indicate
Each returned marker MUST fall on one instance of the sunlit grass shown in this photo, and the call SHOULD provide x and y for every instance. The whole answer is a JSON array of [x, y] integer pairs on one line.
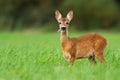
[[37, 56]]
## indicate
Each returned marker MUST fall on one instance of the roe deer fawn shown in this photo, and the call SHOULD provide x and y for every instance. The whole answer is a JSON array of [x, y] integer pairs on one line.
[[89, 46]]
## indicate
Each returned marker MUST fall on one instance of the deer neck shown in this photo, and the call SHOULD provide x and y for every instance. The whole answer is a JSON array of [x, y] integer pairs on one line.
[[63, 37]]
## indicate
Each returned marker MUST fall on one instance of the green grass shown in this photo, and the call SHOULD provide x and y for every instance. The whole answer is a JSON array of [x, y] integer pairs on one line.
[[37, 56]]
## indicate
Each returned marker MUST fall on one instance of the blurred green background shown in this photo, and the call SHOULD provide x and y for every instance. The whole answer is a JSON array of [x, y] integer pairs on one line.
[[27, 55], [38, 15]]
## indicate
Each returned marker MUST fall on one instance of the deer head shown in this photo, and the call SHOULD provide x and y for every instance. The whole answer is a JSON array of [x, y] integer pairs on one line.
[[63, 22]]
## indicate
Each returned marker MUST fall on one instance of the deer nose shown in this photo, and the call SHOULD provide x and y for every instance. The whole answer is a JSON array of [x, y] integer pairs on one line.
[[63, 28]]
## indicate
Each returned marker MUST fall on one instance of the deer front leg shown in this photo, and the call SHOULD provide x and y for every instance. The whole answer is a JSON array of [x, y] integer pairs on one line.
[[72, 59], [69, 58]]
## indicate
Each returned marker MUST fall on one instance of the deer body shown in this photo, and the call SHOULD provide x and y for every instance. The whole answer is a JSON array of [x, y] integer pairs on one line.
[[88, 46]]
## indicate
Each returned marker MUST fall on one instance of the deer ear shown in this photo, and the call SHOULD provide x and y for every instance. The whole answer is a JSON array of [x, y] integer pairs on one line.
[[58, 15], [70, 15]]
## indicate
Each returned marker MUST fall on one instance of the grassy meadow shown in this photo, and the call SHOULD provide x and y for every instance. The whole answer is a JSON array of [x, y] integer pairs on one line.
[[37, 56]]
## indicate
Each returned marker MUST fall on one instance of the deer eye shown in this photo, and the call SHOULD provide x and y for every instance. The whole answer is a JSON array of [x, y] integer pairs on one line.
[[67, 23], [59, 22]]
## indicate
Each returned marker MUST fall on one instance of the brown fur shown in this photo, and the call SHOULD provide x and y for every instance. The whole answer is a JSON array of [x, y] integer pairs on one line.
[[89, 46]]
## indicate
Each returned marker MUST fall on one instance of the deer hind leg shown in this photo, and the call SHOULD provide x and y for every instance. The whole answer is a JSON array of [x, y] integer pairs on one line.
[[100, 57], [99, 49], [92, 59]]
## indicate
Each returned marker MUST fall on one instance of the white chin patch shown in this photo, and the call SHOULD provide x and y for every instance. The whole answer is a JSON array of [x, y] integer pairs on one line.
[[63, 30]]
